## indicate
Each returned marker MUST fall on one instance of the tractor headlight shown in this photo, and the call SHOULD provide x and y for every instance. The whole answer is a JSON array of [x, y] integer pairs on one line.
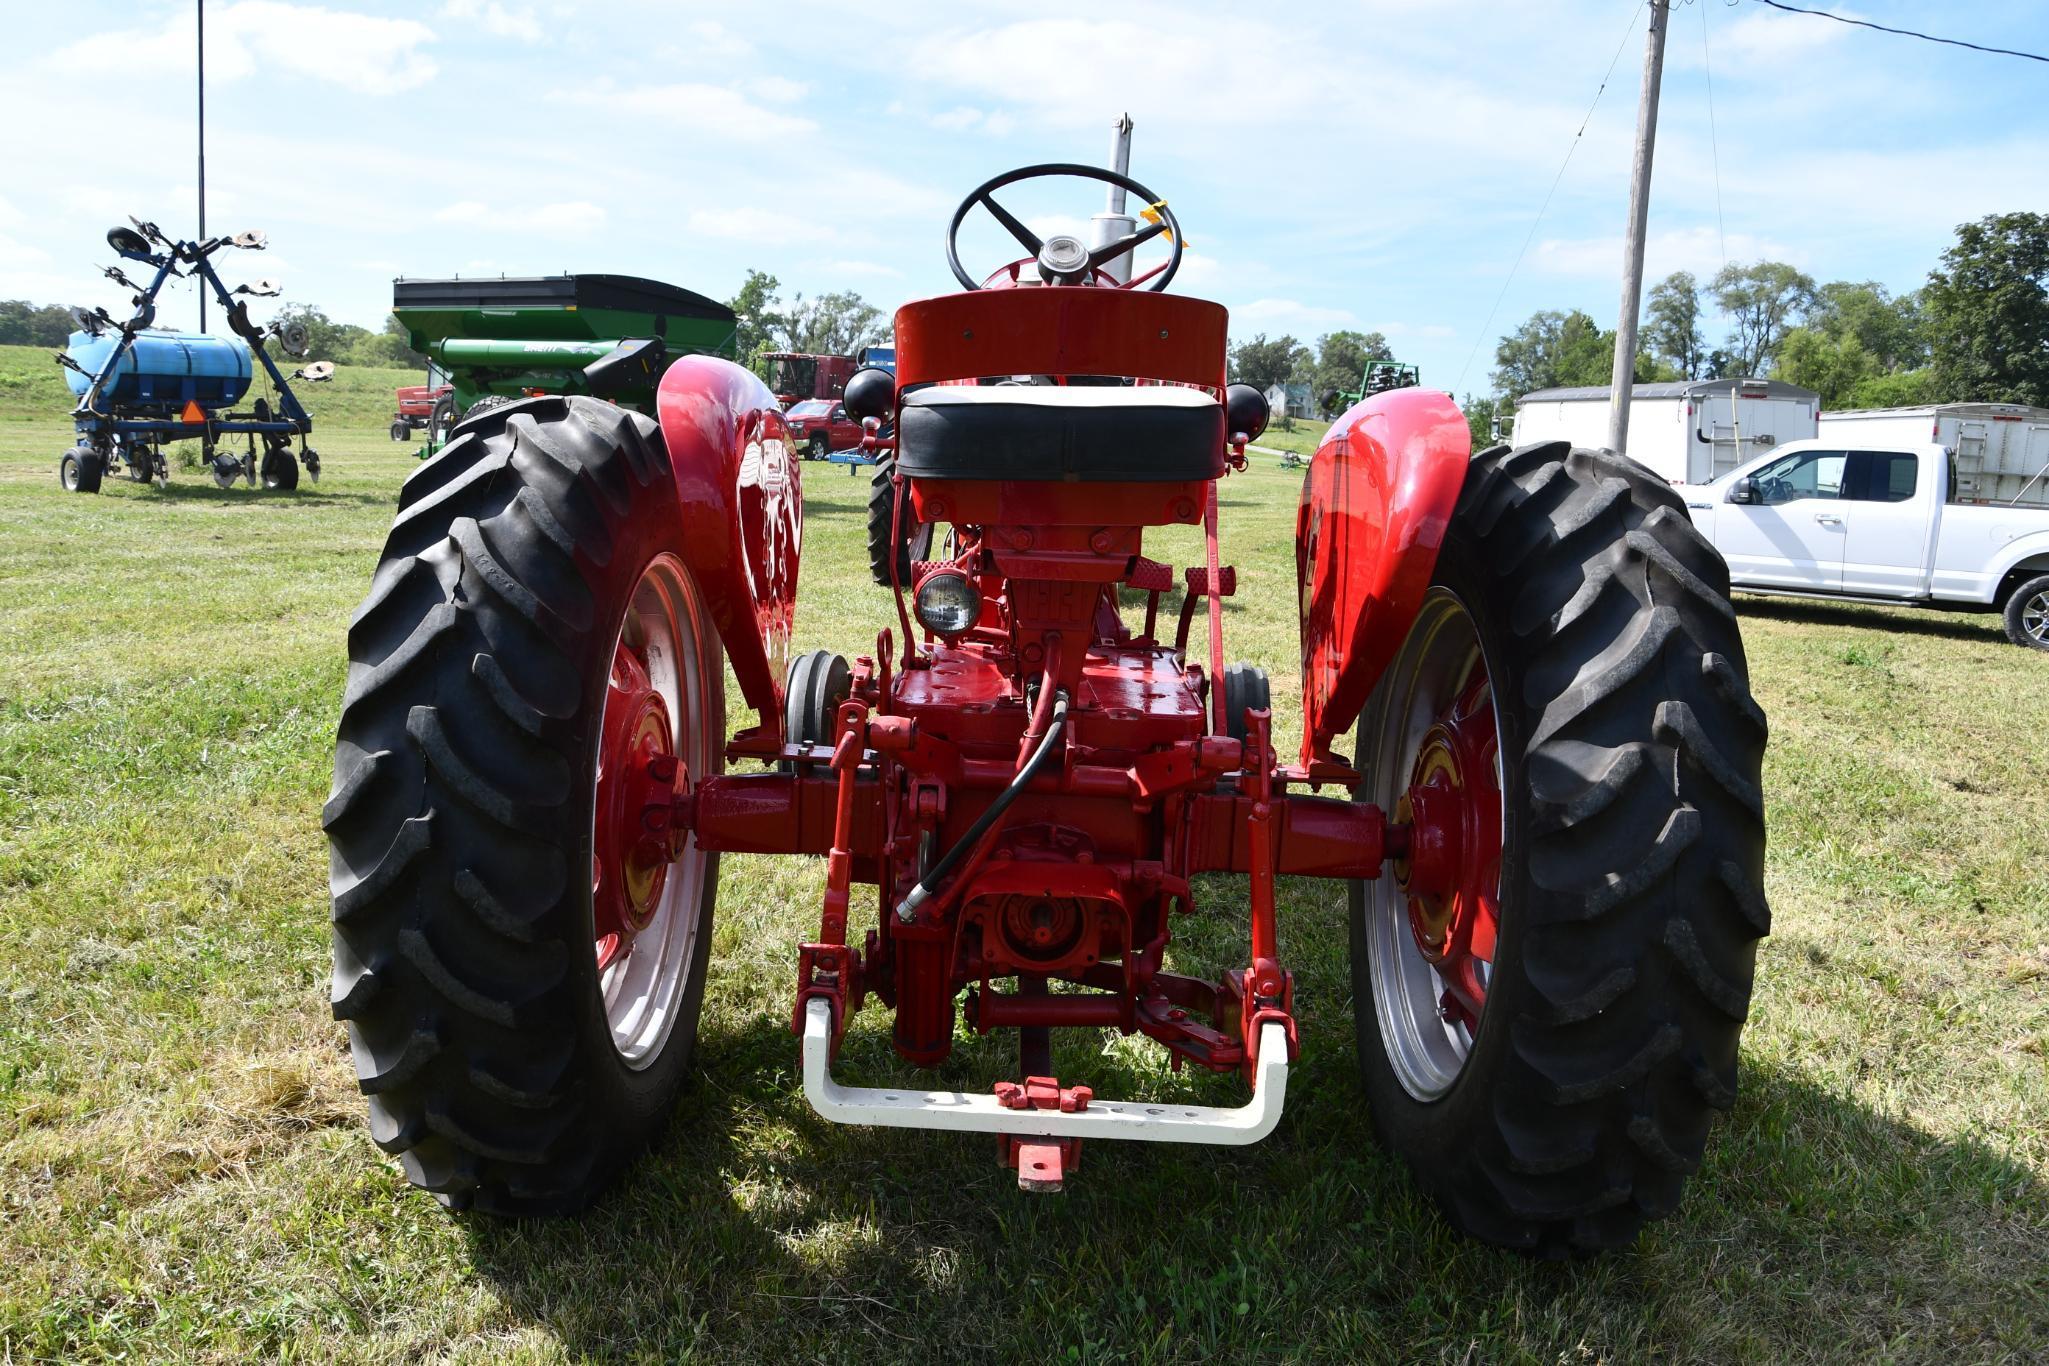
[[948, 603]]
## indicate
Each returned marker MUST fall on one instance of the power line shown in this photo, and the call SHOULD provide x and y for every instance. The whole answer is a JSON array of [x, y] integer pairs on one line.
[[1714, 139], [1904, 32], [1480, 338]]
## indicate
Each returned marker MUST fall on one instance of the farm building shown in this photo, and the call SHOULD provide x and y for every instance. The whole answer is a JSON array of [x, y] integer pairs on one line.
[[1689, 431]]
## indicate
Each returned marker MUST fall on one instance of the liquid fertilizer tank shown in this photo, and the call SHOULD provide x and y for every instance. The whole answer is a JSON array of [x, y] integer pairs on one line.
[[139, 386], [163, 369]]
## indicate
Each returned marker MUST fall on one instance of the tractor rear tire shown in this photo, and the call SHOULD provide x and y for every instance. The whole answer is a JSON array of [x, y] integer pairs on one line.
[[1630, 889], [912, 541], [80, 469], [524, 561]]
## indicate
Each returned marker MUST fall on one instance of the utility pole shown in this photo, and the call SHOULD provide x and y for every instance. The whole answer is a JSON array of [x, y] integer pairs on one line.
[[202, 153], [1639, 214]]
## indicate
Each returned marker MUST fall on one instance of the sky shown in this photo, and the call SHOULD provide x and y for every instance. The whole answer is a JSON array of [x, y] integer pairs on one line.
[[1374, 165]]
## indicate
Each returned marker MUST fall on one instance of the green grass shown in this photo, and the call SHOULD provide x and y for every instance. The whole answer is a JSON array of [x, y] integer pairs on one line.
[[185, 1174]]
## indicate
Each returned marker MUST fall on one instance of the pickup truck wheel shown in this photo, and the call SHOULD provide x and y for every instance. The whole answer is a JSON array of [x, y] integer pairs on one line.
[[890, 511], [2027, 614], [1551, 982], [519, 948], [819, 448]]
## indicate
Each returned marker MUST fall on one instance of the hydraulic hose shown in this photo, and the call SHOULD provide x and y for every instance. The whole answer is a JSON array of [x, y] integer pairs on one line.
[[1056, 731]]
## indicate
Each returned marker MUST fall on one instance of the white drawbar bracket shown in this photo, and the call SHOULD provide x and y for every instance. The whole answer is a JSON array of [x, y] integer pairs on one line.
[[957, 1110]]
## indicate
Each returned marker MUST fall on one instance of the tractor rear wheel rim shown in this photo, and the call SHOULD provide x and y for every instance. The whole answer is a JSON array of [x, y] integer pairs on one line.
[[663, 699], [1431, 928]]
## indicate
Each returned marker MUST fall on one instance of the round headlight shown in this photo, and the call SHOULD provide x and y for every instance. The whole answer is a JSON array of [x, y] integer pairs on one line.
[[948, 603]]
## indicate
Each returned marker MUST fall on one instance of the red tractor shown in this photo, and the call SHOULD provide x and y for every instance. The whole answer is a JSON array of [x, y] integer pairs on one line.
[[796, 376], [1529, 749]]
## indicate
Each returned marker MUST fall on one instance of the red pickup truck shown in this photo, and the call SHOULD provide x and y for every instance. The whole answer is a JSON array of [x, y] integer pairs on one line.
[[416, 408], [821, 426]]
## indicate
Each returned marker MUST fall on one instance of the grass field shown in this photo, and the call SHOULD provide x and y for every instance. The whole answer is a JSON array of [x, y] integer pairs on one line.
[[185, 1174]]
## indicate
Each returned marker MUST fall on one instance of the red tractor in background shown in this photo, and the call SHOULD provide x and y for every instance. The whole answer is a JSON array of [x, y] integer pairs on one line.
[[794, 376], [1529, 749], [416, 408]]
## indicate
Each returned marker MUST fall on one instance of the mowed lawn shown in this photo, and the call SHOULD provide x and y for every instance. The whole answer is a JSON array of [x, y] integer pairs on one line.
[[184, 1172]]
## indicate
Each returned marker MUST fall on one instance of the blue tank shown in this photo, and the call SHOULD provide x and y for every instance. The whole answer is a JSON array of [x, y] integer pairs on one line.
[[164, 369]]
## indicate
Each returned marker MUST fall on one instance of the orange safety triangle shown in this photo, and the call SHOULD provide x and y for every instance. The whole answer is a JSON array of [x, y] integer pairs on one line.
[[193, 412]]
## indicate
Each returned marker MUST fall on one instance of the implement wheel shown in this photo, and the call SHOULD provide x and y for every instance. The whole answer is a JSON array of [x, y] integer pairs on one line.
[[519, 946], [79, 470], [893, 526], [1551, 983]]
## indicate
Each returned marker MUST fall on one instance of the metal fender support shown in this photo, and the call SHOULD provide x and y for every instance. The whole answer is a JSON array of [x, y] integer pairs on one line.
[[743, 516], [1379, 495], [959, 1111]]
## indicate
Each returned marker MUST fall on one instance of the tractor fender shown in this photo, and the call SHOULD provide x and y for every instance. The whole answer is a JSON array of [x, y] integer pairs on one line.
[[743, 515], [1375, 505]]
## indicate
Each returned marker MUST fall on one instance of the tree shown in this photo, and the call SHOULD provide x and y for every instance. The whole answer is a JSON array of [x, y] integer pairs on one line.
[[1480, 414], [1890, 330], [1341, 363], [835, 324], [1988, 312], [1671, 327], [1263, 364], [758, 317], [326, 338], [391, 348], [1763, 300], [1553, 349], [24, 324], [1854, 336]]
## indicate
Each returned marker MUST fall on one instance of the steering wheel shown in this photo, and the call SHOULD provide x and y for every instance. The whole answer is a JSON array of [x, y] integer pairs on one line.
[[1061, 259]]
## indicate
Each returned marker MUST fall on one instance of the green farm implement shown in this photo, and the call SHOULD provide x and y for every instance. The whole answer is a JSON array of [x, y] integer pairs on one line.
[[495, 340]]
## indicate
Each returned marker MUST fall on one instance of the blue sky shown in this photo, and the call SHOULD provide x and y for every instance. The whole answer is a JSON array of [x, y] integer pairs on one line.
[[1373, 165]]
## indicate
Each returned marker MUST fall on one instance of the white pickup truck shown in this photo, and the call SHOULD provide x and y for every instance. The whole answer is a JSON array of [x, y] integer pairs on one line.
[[1871, 523]]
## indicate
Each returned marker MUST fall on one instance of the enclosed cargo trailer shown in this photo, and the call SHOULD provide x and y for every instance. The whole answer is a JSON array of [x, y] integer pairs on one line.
[[2001, 449], [1689, 431]]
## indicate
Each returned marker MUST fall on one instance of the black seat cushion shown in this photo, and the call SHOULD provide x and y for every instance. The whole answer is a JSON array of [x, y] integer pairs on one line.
[[1145, 434]]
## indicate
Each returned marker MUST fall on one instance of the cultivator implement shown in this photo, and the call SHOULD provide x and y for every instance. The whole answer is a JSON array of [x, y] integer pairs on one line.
[[1528, 750]]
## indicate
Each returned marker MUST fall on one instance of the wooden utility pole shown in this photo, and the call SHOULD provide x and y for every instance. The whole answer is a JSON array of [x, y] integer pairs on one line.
[[1639, 213], [202, 154]]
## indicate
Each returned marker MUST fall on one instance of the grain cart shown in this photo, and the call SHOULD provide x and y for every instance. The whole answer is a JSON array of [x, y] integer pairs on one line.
[[495, 340], [1529, 751], [139, 386]]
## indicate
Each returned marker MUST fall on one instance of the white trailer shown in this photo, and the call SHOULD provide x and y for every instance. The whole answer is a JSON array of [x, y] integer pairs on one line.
[[1689, 431], [2001, 449]]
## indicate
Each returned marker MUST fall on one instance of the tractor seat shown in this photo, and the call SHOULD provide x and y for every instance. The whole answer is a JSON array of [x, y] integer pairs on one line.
[[1141, 434]]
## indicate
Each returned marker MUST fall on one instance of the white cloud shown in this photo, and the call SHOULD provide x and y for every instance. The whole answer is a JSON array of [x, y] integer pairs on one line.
[[495, 19], [1291, 314], [576, 218], [1698, 249], [777, 89], [958, 119], [710, 112], [873, 269], [768, 227], [710, 38], [360, 52]]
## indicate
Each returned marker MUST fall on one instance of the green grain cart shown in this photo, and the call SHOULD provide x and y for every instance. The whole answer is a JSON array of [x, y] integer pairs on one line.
[[495, 340]]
